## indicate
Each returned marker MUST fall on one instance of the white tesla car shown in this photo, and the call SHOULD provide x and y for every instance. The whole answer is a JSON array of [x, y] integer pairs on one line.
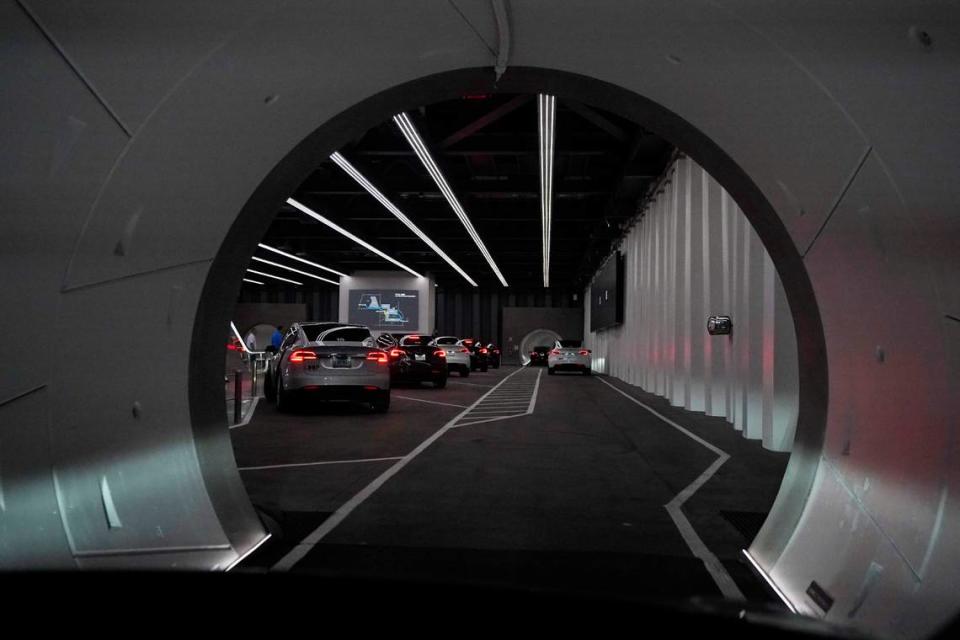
[[568, 355], [458, 356], [330, 361]]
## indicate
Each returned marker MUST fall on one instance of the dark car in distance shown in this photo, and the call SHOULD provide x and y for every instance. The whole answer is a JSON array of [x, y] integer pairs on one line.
[[493, 355], [417, 359], [539, 355], [479, 354]]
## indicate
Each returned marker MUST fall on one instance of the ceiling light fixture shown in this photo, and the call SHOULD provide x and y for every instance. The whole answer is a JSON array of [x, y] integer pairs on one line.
[[389, 206], [267, 275], [293, 257], [546, 111], [416, 142], [319, 218], [304, 273], [253, 281]]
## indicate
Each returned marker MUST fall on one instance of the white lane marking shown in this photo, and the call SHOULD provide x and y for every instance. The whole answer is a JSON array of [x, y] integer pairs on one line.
[[491, 410], [473, 384], [249, 417], [315, 464], [446, 404], [717, 571], [302, 549], [536, 391]]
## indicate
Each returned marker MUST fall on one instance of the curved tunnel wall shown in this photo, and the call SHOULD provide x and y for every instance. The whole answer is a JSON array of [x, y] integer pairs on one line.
[[692, 254], [127, 162]]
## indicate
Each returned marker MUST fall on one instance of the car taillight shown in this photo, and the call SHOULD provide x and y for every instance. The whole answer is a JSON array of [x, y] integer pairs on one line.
[[396, 353], [441, 353], [584, 352], [301, 355], [555, 352], [464, 350], [483, 350], [377, 356]]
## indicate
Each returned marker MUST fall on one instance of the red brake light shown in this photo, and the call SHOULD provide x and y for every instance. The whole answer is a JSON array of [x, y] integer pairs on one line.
[[396, 353], [377, 356], [483, 349], [555, 352], [301, 355], [441, 353], [464, 350], [584, 352]]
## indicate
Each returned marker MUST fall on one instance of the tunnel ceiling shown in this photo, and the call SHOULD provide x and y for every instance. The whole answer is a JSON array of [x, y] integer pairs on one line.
[[487, 147]]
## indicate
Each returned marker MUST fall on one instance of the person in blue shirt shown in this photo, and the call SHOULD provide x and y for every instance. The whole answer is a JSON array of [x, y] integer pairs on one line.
[[277, 337]]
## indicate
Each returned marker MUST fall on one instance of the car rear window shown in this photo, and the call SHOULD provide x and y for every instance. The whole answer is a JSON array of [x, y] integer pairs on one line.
[[541, 349], [312, 331], [344, 334], [570, 344], [410, 340], [447, 341]]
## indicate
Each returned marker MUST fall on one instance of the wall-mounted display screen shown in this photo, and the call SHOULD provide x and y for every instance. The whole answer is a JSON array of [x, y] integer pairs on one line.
[[606, 295], [385, 309]]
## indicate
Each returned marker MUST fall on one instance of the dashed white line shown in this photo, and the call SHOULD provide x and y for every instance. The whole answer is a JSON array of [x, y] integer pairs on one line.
[[315, 464], [446, 404], [713, 565]]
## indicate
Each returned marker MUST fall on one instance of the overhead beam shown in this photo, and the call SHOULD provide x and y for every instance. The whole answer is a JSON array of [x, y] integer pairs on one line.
[[597, 119], [485, 120]]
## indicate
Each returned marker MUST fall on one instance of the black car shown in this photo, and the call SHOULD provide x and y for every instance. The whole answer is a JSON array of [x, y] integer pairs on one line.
[[538, 357], [417, 359], [493, 355], [479, 354]]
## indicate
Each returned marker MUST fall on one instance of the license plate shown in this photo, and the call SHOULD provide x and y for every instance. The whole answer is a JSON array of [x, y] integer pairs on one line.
[[419, 356], [341, 363]]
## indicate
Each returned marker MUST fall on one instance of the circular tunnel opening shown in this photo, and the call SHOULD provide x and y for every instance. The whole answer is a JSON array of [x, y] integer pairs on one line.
[[594, 99]]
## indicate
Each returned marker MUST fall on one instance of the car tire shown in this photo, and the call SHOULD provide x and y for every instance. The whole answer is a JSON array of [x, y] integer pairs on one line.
[[440, 383], [269, 390], [587, 372], [283, 398], [550, 370], [382, 403], [464, 373]]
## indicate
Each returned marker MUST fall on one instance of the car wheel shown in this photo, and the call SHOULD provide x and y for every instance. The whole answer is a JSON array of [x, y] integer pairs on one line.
[[440, 383], [550, 370], [283, 398], [587, 371], [268, 388], [382, 403]]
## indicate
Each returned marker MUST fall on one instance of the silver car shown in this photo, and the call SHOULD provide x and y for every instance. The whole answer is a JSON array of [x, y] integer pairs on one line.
[[330, 361], [458, 356], [568, 355]]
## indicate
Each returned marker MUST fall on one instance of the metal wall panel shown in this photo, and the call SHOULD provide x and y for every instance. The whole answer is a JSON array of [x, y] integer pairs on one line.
[[683, 231]]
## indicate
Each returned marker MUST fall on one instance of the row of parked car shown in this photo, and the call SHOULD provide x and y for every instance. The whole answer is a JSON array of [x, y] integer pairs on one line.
[[335, 361]]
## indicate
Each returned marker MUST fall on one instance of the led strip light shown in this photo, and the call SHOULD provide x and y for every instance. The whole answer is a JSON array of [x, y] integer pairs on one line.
[[389, 206], [546, 112], [304, 273], [253, 281], [293, 257], [267, 275], [416, 142], [319, 218]]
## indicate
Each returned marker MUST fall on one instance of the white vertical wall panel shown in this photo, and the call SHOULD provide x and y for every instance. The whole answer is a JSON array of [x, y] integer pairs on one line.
[[693, 254]]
